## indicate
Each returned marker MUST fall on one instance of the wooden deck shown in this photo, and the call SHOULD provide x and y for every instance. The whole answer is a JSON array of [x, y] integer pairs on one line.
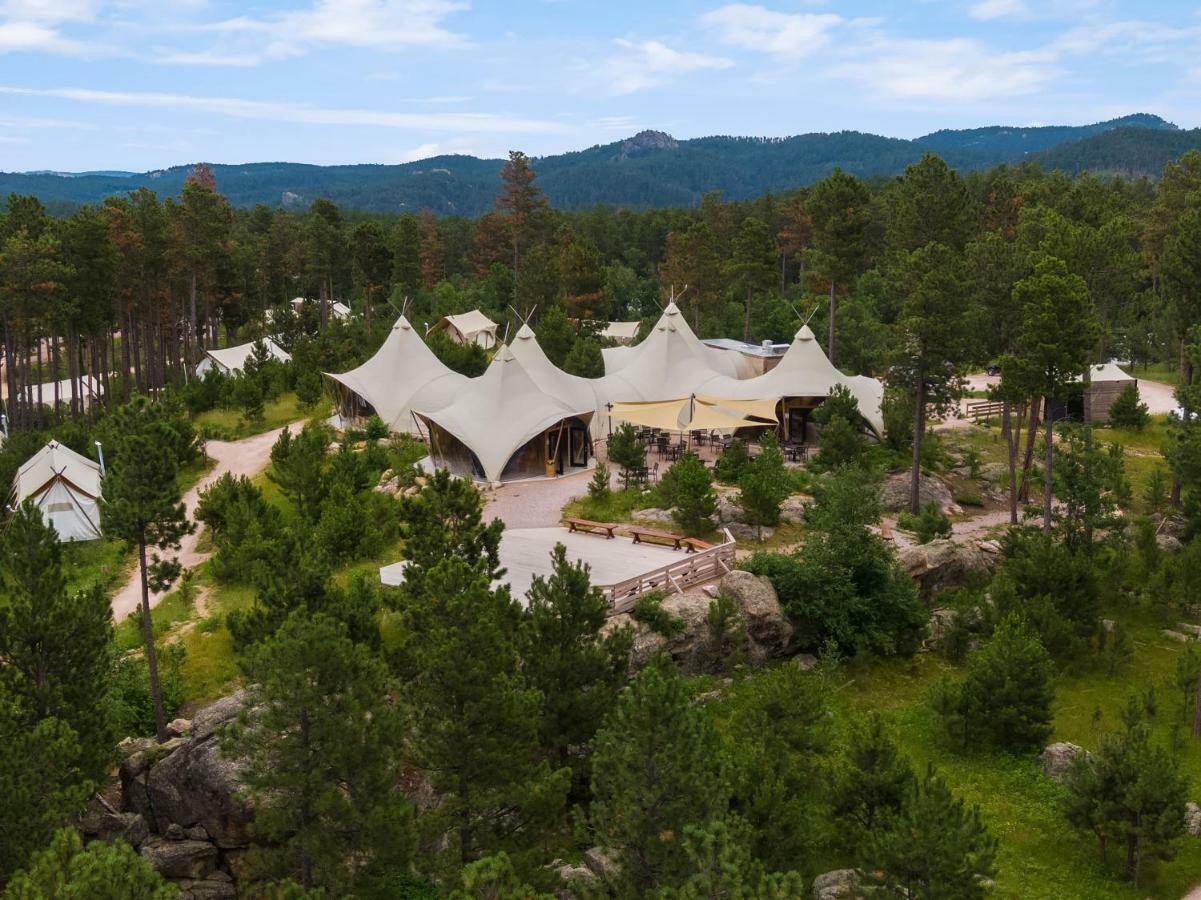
[[621, 568]]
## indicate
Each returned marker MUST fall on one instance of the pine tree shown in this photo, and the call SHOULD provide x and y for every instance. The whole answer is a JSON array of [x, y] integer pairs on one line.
[[1127, 411], [655, 770], [763, 486], [443, 521], [41, 782], [1005, 700], [934, 848], [321, 744], [564, 656], [1130, 794], [65, 870], [523, 202], [298, 463], [873, 781], [626, 451], [141, 504], [475, 725], [689, 488], [56, 647], [406, 258], [724, 866]]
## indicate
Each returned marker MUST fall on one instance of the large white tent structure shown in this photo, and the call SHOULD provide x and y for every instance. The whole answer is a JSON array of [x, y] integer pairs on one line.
[[570, 389], [802, 379], [65, 486], [472, 327], [403, 373], [503, 427], [232, 360]]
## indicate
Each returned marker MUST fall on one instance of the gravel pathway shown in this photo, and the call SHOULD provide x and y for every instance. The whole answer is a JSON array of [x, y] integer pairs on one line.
[[248, 457], [536, 503]]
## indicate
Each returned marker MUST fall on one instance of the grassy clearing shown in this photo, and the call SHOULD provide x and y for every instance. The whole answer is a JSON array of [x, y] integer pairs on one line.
[[618, 506], [1040, 855], [104, 562], [1168, 373], [230, 425]]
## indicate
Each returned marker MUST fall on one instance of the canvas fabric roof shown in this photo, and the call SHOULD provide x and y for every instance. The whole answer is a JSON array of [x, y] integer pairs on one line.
[[469, 324], [1109, 372], [91, 388], [571, 389], [696, 412], [803, 371], [234, 359], [495, 414], [671, 362], [401, 374], [66, 486]]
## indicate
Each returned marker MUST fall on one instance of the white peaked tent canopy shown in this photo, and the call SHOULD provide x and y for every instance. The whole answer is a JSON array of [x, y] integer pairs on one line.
[[232, 360], [65, 486], [1108, 372], [670, 363], [803, 371], [401, 374], [622, 332], [497, 414], [469, 328], [570, 389]]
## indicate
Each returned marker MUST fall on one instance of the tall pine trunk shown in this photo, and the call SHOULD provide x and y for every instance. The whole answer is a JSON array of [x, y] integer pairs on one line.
[[1028, 459], [1011, 447], [833, 312], [156, 697], [1048, 459], [919, 427]]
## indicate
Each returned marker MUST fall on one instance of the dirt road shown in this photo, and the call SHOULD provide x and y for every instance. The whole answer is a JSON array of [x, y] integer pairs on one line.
[[248, 457]]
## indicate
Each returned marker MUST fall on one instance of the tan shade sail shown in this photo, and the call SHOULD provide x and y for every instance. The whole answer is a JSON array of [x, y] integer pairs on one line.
[[696, 412]]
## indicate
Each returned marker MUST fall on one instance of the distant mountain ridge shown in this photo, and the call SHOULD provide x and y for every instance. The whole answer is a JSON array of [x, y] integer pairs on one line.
[[649, 169]]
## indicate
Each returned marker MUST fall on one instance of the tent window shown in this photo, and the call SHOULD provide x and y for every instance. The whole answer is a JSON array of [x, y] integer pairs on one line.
[[61, 506]]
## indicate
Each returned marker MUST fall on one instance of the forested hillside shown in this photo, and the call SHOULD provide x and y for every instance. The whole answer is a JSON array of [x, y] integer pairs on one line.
[[648, 170], [948, 658]]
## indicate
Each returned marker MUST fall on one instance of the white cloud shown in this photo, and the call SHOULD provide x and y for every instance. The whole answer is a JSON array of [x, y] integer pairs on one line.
[[649, 63], [987, 10], [36, 25], [52, 12], [766, 31], [953, 69], [296, 113]]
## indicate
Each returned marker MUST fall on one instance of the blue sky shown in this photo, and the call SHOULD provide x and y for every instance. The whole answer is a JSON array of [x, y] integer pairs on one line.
[[140, 84]]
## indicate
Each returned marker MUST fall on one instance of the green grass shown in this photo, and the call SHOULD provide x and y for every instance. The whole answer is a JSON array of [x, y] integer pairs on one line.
[[1040, 855], [618, 506], [1168, 373], [104, 561], [165, 616], [229, 424]]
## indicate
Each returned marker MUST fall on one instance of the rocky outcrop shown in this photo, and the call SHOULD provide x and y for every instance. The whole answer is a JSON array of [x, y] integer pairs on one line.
[[767, 628], [1057, 759], [947, 563], [192, 783], [658, 516], [841, 884], [179, 804], [792, 510], [894, 492], [749, 533], [604, 863]]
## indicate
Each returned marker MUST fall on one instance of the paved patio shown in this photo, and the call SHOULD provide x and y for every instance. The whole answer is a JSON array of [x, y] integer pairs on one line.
[[525, 552]]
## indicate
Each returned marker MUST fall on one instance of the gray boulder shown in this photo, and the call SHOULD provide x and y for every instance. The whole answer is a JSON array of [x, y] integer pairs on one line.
[[1057, 758], [841, 884], [729, 509], [946, 563], [1192, 819], [749, 533], [192, 783], [1168, 543], [603, 863], [206, 889], [792, 510], [894, 492], [766, 625], [658, 516], [180, 859]]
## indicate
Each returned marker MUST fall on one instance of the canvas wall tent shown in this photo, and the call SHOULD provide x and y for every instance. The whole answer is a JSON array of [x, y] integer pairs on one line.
[[90, 389], [232, 360], [337, 309], [65, 486], [469, 328], [802, 379], [503, 427], [621, 332], [403, 372]]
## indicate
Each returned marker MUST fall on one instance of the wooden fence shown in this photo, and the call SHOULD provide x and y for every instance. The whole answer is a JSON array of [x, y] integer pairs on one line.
[[984, 410], [693, 568]]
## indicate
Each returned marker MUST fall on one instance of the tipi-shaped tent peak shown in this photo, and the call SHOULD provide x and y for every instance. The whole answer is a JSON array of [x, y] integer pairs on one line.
[[805, 333]]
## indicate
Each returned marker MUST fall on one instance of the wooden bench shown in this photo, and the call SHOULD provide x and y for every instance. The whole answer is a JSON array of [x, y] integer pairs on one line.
[[650, 536], [589, 527], [695, 544]]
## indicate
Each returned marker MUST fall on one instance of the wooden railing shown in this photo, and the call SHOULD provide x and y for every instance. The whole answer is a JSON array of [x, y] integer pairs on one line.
[[984, 410], [691, 569]]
